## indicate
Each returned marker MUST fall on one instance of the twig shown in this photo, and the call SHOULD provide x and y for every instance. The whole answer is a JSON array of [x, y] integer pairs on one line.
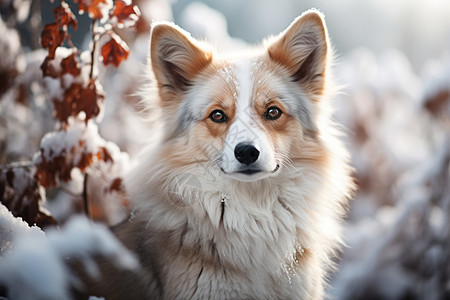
[[85, 196], [95, 39]]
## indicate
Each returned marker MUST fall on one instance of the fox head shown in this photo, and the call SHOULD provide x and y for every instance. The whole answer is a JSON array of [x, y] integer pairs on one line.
[[245, 116]]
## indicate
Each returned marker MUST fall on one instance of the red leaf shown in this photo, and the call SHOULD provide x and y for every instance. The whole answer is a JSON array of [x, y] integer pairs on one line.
[[52, 37], [20, 193], [103, 154], [82, 5], [78, 99], [116, 185], [48, 69], [125, 12], [97, 9], [70, 65], [85, 157], [64, 16], [54, 34], [64, 108], [114, 51], [51, 171], [89, 101]]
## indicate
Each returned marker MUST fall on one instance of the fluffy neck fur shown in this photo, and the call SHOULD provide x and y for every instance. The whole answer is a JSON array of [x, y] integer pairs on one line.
[[272, 228]]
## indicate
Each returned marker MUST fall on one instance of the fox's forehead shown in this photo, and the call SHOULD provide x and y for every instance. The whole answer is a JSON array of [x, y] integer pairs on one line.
[[240, 85], [241, 82], [228, 83]]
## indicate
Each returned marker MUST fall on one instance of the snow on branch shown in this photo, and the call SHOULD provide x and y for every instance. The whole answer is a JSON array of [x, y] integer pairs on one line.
[[73, 87]]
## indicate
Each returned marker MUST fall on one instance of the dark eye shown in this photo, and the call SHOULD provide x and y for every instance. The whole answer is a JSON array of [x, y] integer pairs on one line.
[[218, 116], [272, 113]]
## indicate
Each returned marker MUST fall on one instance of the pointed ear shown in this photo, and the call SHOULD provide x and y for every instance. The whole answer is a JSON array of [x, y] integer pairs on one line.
[[302, 49], [175, 56]]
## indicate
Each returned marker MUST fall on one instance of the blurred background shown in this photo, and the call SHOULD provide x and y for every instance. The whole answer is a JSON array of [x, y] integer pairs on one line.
[[393, 63]]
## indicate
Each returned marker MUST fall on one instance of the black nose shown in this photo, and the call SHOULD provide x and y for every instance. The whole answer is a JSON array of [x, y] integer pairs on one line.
[[246, 153]]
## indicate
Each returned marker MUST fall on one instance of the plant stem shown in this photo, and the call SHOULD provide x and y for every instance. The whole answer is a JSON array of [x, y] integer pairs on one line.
[[85, 195], [95, 39]]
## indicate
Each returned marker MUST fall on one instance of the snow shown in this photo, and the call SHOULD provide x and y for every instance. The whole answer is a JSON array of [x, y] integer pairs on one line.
[[31, 271], [32, 264], [84, 239], [11, 227]]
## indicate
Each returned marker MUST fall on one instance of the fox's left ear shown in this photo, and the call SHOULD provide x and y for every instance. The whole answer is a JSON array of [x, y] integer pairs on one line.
[[175, 56], [303, 48]]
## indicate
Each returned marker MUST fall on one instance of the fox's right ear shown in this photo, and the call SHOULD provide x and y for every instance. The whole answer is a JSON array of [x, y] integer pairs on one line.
[[303, 50], [175, 56]]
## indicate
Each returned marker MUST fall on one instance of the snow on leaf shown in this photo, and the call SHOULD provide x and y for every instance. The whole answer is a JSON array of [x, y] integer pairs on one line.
[[97, 9], [78, 146], [79, 99], [48, 69], [104, 155], [64, 16], [127, 15], [71, 65], [89, 101], [114, 51], [107, 192], [65, 107]]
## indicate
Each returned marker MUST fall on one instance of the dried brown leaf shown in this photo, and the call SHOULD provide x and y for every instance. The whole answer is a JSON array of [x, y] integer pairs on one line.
[[95, 8], [52, 37], [70, 65], [124, 12], [21, 194], [64, 16], [48, 69], [114, 51]]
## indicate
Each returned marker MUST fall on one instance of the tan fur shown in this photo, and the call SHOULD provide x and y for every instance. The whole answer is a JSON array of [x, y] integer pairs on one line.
[[200, 232], [314, 38]]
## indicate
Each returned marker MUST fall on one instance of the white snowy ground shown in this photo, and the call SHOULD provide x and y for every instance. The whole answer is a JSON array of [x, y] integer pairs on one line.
[[32, 262]]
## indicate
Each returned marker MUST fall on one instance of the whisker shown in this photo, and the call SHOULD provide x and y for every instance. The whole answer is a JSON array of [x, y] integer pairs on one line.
[[288, 165]]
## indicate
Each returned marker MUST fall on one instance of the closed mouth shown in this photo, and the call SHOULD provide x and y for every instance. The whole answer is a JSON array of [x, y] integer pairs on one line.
[[253, 171], [249, 171]]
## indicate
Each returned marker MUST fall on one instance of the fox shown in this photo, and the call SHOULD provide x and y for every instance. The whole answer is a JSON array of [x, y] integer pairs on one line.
[[242, 192]]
